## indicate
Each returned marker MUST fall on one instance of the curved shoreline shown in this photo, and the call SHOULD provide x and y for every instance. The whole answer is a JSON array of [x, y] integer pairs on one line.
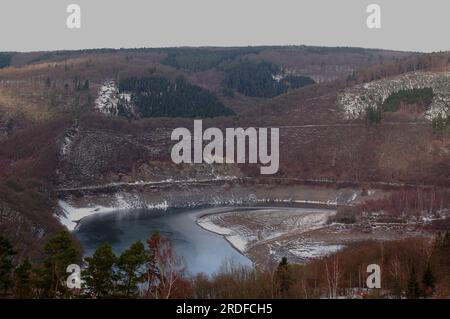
[[227, 232], [195, 215], [203, 251], [72, 216], [222, 235]]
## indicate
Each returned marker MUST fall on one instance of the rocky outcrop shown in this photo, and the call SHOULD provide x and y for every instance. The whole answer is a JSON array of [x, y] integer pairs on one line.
[[109, 98], [100, 157]]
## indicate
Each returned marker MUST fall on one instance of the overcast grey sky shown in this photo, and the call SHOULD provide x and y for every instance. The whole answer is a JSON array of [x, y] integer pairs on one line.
[[416, 25]]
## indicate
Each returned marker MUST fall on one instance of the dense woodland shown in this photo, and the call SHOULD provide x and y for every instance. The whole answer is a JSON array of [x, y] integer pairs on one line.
[[5, 59], [157, 97], [423, 97], [195, 60], [410, 101], [257, 79]]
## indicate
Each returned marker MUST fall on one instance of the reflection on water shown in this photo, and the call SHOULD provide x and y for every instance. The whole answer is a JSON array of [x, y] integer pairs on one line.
[[202, 251]]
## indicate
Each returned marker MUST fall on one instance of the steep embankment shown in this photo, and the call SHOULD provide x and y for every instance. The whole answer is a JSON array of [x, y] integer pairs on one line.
[[78, 203]]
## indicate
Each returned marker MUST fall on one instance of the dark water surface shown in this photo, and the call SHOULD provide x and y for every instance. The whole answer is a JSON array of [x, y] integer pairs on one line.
[[202, 250]]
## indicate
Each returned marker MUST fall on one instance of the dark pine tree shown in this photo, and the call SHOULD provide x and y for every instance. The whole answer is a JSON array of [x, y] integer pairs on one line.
[[100, 275], [428, 281], [6, 266], [131, 268], [60, 252], [23, 280], [284, 277], [413, 289]]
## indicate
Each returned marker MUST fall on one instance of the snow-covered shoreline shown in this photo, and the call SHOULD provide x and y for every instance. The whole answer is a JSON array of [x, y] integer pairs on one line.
[[72, 212], [72, 215], [244, 238], [75, 206], [234, 239]]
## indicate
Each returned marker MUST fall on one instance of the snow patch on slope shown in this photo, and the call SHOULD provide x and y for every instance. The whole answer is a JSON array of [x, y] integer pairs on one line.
[[109, 98], [315, 250], [357, 100], [68, 139]]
